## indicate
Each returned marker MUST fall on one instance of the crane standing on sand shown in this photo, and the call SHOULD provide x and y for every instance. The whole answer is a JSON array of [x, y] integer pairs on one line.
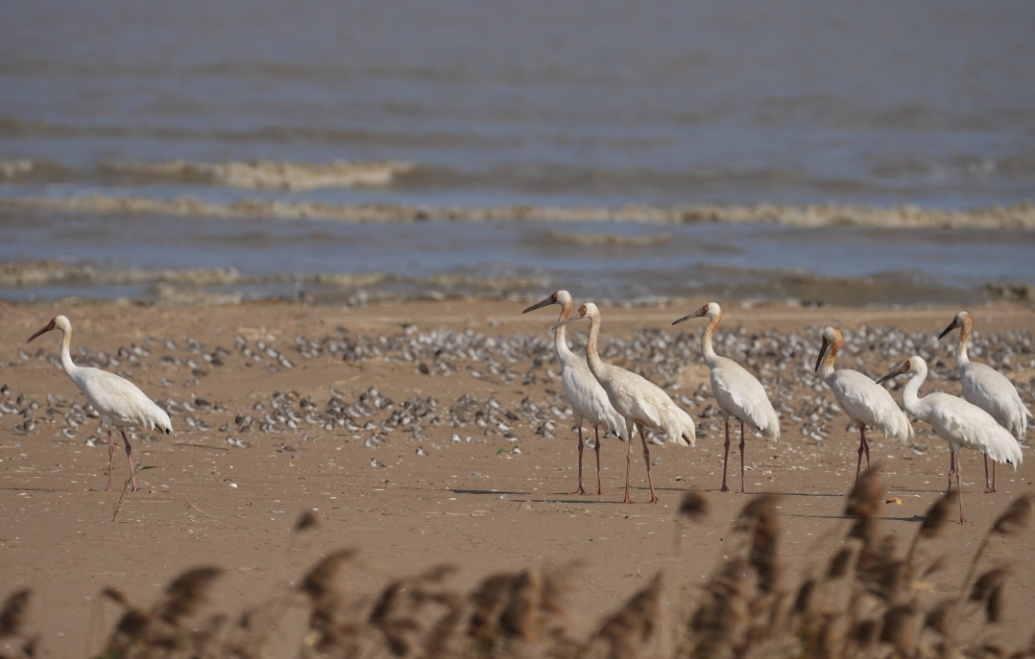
[[640, 402], [587, 398], [737, 392], [988, 389], [961, 424], [118, 401], [863, 400]]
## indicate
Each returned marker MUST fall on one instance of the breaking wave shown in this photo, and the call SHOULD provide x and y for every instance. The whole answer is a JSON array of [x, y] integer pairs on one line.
[[48, 273], [247, 175], [1018, 216], [267, 174]]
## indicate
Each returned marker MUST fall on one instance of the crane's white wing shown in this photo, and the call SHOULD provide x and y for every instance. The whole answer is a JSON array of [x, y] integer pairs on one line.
[[642, 401], [742, 395], [119, 401], [588, 398], [864, 400], [963, 424], [993, 392]]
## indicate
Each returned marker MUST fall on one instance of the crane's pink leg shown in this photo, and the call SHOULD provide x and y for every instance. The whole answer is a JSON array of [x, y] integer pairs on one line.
[[596, 449], [959, 487], [581, 445], [628, 463], [646, 459], [726, 453], [742, 456], [952, 468], [989, 487], [864, 447], [111, 455], [129, 459]]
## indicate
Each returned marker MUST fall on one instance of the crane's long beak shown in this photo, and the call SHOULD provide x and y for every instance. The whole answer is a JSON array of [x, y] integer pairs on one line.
[[953, 325], [538, 305], [822, 353], [696, 314], [565, 322], [904, 368], [46, 328]]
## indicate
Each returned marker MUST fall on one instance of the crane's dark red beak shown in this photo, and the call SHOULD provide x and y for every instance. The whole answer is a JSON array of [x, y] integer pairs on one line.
[[904, 368], [697, 314], [46, 328], [542, 303], [822, 353], [953, 325]]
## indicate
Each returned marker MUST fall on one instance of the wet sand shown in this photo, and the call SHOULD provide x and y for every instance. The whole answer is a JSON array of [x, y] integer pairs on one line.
[[424, 468]]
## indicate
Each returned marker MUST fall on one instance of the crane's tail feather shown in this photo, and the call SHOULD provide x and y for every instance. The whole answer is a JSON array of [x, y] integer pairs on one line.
[[681, 430]]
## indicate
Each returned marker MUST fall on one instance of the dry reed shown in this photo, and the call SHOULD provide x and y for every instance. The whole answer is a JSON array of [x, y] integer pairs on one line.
[[865, 600]]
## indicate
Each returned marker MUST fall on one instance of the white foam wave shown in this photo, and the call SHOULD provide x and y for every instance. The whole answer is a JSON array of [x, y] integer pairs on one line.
[[44, 273], [1018, 216], [10, 169], [270, 174]]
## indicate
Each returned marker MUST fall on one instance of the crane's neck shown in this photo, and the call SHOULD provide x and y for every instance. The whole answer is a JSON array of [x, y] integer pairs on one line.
[[560, 340], [706, 341], [911, 396], [66, 354], [596, 365], [961, 348]]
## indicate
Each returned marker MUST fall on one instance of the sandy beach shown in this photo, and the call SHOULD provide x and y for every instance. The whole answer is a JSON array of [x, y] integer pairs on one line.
[[451, 443]]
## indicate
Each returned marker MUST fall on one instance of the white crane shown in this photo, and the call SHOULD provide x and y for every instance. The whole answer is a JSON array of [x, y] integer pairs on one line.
[[988, 389], [961, 424], [863, 400], [118, 401], [587, 398], [737, 392], [640, 402]]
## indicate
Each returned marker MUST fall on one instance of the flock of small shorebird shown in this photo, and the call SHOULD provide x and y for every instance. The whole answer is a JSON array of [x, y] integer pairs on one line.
[[989, 418]]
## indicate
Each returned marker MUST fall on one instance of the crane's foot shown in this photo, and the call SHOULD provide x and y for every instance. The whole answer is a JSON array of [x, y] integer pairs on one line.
[[654, 499], [581, 490], [724, 488], [990, 489]]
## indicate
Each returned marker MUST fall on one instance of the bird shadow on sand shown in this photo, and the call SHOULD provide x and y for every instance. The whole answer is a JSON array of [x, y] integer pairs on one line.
[[563, 499], [751, 493], [923, 490], [910, 518], [494, 493]]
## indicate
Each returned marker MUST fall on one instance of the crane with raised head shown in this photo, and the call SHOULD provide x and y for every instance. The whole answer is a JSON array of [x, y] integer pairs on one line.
[[119, 402], [988, 389], [640, 402], [738, 393], [587, 398]]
